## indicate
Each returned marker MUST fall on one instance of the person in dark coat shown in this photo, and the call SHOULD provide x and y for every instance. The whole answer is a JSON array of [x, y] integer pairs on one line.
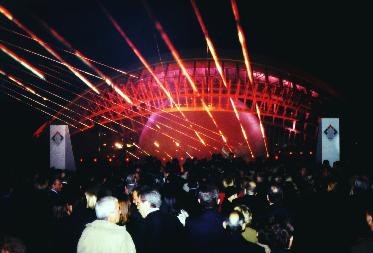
[[276, 207], [205, 231], [233, 240], [162, 231]]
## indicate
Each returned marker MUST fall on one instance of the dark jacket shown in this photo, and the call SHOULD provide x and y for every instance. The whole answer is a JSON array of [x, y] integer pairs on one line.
[[204, 232], [162, 233]]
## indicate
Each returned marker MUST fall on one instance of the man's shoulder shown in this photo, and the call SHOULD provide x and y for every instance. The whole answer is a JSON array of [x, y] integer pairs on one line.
[[209, 217], [105, 226]]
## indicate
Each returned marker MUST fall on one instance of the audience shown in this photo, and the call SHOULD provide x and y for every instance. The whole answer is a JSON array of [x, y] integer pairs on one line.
[[208, 205]]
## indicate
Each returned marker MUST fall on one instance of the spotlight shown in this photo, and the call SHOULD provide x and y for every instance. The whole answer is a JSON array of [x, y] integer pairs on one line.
[[118, 145]]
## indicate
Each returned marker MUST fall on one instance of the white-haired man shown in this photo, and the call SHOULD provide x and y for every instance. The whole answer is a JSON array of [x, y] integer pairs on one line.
[[162, 231], [104, 235]]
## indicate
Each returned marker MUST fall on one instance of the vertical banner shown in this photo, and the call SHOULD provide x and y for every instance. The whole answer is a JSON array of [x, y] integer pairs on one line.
[[328, 146], [61, 153]]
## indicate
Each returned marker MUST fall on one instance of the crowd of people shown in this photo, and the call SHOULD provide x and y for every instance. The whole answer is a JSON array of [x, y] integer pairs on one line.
[[207, 205]]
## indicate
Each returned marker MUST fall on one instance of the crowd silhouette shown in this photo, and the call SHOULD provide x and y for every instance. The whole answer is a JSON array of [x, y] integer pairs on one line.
[[222, 204]]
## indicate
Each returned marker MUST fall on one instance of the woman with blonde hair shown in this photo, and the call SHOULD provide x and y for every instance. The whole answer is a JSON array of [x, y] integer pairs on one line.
[[91, 199], [249, 234], [124, 211]]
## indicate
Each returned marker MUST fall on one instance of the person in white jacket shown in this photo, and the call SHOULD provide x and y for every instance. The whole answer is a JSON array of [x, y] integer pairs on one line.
[[104, 235]]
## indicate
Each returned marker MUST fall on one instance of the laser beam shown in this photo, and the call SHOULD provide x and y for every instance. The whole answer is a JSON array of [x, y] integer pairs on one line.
[[7, 14]]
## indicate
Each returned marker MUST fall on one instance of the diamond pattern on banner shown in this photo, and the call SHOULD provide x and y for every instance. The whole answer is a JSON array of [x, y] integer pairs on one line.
[[57, 138], [330, 132]]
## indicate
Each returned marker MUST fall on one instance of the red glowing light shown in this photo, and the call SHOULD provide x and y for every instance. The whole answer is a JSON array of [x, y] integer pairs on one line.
[[23, 62], [6, 13], [49, 49]]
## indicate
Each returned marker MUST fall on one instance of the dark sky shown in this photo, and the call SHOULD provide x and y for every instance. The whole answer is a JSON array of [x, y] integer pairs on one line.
[[329, 40]]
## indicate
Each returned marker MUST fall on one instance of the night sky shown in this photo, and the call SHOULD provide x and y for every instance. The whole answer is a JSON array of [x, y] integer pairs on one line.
[[329, 41]]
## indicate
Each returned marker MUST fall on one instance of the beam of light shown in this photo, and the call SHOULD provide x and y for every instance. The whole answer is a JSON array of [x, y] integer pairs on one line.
[[168, 155], [78, 54], [6, 13], [160, 115], [133, 155], [23, 62], [242, 128], [177, 122], [142, 150], [49, 49], [119, 113], [241, 37], [209, 43], [22, 85], [108, 100], [177, 58], [84, 108], [40, 129], [156, 144], [191, 157], [262, 129], [45, 112], [105, 65], [73, 53], [147, 66], [43, 105], [50, 59], [67, 116], [59, 58], [220, 70]]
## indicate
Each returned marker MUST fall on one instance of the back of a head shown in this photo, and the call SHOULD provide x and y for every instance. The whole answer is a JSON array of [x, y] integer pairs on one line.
[[228, 180], [360, 185], [208, 196], [275, 194], [249, 186], [246, 212], [235, 223], [106, 207], [151, 195], [91, 199], [130, 183]]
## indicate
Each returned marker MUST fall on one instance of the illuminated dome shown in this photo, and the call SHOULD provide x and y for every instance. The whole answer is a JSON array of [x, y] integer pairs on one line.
[[288, 106]]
